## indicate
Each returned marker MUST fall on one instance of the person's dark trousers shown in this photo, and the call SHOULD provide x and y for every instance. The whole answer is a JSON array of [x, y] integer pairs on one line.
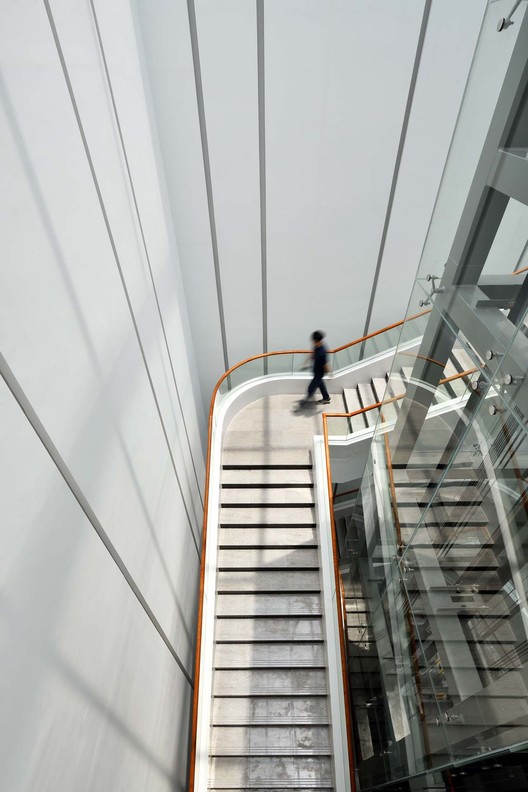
[[317, 382]]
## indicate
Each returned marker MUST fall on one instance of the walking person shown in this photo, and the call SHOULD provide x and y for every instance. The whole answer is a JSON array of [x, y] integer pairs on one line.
[[320, 368]]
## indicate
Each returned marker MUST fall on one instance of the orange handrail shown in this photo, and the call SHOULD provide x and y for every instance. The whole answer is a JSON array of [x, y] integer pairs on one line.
[[348, 492], [378, 332], [309, 351], [341, 614], [224, 376]]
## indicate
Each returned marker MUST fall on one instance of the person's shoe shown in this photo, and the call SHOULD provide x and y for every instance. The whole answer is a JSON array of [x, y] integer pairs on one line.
[[323, 401]]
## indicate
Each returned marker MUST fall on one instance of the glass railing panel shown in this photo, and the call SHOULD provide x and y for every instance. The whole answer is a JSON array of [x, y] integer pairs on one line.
[[468, 561], [279, 364], [302, 362], [244, 373], [339, 427], [492, 56], [402, 712], [346, 357]]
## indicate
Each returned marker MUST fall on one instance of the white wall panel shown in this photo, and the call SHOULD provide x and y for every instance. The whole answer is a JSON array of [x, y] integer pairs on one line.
[[164, 28], [95, 700], [336, 86], [91, 696], [227, 34]]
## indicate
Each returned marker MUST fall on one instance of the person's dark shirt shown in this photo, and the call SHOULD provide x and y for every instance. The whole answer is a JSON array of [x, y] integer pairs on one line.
[[319, 360]]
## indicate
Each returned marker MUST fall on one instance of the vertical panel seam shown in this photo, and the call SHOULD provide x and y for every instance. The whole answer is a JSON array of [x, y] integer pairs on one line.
[[399, 155], [261, 81], [143, 238], [207, 170], [25, 405], [116, 255]]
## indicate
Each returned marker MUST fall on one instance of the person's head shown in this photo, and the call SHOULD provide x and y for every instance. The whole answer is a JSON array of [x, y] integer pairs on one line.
[[317, 337]]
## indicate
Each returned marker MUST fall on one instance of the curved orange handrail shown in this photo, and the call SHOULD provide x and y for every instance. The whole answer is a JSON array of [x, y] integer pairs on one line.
[[224, 376], [379, 332], [341, 613]]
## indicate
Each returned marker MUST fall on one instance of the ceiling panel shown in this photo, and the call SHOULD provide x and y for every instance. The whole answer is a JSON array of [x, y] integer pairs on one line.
[[227, 36], [337, 79]]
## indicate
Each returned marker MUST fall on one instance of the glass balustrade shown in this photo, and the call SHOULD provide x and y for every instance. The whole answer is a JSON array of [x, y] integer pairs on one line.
[[298, 362]]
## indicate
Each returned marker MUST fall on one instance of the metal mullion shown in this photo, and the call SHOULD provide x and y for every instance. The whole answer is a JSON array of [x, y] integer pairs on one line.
[[510, 176]]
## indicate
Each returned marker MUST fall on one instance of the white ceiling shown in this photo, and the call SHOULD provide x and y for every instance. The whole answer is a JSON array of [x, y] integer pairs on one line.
[[280, 205]]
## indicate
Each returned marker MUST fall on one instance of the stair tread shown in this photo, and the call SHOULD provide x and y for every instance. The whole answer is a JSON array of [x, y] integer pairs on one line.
[[271, 710], [251, 496], [262, 629], [270, 773], [255, 515], [269, 655], [265, 681], [353, 403], [268, 558], [269, 580], [267, 536], [270, 740], [268, 605], [268, 476]]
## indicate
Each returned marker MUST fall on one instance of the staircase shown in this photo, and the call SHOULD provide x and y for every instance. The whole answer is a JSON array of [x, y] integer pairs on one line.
[[270, 714], [383, 388]]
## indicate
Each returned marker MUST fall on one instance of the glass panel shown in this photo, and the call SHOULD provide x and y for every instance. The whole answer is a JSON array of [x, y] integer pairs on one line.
[[302, 361], [509, 251], [469, 564], [486, 77], [246, 372], [279, 364]]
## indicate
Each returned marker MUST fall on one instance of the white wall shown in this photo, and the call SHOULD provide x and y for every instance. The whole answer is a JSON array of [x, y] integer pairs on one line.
[[91, 696], [337, 76]]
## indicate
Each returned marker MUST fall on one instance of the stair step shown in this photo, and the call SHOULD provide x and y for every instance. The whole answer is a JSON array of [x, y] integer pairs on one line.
[[353, 403], [259, 629], [270, 773], [298, 558], [449, 493], [270, 711], [263, 496], [367, 397], [270, 741], [452, 516], [267, 536], [269, 655], [270, 682], [266, 458], [389, 409], [262, 515], [396, 387], [246, 605], [267, 476], [254, 581]]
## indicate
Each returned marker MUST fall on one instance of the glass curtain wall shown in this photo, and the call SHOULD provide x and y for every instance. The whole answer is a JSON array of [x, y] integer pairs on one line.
[[434, 553]]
